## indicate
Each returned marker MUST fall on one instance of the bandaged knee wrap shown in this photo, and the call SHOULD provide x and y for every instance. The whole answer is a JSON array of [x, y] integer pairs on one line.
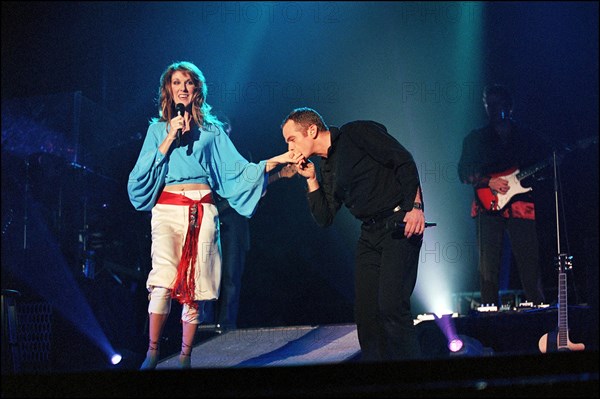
[[160, 300], [191, 315]]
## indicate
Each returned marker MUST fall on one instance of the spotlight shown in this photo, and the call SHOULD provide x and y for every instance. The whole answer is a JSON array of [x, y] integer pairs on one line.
[[468, 347], [455, 345], [126, 359], [116, 359], [459, 345]]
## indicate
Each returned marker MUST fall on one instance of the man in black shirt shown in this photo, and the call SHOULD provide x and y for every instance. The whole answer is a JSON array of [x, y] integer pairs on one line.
[[368, 170]]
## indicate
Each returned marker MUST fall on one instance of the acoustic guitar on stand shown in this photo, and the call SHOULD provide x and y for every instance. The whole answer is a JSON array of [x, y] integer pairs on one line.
[[559, 340], [494, 201]]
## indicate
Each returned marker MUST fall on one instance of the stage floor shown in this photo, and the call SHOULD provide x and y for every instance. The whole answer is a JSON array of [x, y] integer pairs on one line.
[[324, 361], [490, 333], [282, 346]]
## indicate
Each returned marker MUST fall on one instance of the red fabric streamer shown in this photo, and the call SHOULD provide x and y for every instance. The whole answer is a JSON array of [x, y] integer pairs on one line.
[[185, 282]]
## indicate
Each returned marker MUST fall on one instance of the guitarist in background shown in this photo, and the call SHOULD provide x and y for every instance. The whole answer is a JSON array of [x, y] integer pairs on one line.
[[488, 153]]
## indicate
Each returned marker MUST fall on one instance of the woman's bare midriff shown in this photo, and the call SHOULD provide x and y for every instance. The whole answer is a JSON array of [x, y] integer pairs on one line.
[[174, 188]]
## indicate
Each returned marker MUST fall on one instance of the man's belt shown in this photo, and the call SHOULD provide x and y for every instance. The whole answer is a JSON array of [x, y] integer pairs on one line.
[[381, 216]]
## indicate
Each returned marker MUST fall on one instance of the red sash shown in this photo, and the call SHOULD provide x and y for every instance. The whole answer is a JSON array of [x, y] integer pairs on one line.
[[185, 284]]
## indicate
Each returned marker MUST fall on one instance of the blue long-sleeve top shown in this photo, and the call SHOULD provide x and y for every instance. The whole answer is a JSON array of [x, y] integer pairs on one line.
[[208, 156]]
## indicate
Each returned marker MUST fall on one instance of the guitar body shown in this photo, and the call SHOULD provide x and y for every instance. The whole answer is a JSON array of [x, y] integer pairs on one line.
[[493, 201], [549, 342]]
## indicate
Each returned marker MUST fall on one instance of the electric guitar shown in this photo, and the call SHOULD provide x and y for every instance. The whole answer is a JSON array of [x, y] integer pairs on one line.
[[494, 201], [559, 340]]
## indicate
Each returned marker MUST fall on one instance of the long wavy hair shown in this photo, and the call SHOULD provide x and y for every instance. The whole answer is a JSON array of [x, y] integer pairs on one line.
[[200, 109]]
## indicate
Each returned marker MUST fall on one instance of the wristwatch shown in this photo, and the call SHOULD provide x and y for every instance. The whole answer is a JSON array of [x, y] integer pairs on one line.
[[418, 205]]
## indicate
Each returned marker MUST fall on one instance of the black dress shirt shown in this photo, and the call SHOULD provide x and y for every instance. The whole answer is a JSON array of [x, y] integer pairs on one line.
[[366, 169]]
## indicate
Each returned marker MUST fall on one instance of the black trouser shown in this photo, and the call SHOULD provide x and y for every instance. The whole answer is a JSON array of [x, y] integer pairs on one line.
[[524, 243], [234, 234], [386, 274]]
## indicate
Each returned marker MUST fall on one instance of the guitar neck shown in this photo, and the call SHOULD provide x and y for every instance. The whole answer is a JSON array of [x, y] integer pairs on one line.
[[563, 319], [531, 170], [581, 144]]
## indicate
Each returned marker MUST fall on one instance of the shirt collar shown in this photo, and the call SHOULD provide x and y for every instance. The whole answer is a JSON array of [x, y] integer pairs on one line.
[[335, 134]]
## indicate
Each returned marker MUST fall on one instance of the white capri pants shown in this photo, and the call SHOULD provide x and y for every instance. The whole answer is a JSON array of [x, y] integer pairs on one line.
[[169, 228]]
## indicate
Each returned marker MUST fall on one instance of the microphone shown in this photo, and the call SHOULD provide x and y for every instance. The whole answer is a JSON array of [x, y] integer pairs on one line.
[[402, 224], [180, 109]]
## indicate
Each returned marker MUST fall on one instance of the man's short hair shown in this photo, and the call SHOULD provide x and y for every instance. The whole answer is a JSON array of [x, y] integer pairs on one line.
[[305, 117]]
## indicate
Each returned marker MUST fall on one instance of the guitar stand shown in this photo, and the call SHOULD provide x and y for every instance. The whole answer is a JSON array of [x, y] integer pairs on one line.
[[562, 258]]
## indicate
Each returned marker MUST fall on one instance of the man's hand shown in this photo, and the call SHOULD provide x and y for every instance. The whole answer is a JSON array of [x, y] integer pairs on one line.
[[499, 185], [415, 223], [306, 169]]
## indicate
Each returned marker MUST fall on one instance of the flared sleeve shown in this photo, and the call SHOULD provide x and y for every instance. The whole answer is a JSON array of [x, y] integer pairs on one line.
[[240, 182], [147, 178]]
